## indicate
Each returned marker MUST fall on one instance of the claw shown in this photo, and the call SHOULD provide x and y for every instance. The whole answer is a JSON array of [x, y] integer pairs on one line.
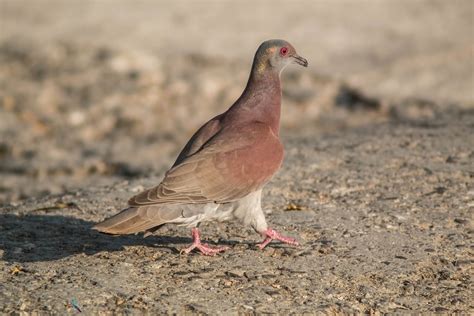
[[271, 234], [205, 249]]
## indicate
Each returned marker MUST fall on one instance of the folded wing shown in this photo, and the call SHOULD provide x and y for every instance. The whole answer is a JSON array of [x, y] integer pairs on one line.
[[222, 171]]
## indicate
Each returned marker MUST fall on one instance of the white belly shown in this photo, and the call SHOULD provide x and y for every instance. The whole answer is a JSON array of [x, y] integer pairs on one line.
[[248, 210]]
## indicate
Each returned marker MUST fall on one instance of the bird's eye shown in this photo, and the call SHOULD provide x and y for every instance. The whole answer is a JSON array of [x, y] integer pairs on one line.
[[283, 51]]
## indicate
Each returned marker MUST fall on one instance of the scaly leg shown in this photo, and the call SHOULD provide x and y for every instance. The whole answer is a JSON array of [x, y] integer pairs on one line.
[[271, 234], [205, 249]]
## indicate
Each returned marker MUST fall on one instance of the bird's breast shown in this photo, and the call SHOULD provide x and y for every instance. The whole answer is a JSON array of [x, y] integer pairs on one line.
[[258, 163]]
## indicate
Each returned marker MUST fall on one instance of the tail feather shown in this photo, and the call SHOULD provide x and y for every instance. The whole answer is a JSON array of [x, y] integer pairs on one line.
[[128, 221]]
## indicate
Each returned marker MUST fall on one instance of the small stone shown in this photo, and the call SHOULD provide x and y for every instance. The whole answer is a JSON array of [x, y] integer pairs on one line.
[[236, 273], [250, 275], [461, 221]]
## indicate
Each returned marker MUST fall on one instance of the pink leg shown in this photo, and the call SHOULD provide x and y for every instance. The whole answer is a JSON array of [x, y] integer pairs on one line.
[[205, 249], [271, 234]]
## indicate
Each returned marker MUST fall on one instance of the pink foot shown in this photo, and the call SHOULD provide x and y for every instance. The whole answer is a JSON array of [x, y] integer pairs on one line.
[[271, 234], [205, 249]]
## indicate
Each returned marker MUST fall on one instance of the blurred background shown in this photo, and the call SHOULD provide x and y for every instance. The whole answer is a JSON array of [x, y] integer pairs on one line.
[[94, 92]]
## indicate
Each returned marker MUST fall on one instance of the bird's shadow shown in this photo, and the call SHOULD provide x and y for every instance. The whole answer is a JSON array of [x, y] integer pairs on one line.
[[32, 238]]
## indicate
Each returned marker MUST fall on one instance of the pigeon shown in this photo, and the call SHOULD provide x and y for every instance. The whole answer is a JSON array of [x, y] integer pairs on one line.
[[220, 173]]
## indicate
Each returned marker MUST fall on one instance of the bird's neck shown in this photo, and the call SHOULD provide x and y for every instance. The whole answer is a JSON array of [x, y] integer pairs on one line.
[[261, 100]]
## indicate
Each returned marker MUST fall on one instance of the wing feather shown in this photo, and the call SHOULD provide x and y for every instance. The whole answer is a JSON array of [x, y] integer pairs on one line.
[[214, 173]]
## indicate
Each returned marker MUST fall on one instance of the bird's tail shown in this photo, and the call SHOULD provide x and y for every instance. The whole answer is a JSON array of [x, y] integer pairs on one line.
[[128, 221]]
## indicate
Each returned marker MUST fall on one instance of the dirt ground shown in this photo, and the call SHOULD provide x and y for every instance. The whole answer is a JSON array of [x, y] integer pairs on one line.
[[96, 100]]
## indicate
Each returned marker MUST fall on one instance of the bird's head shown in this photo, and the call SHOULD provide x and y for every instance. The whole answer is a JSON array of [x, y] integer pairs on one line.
[[275, 55]]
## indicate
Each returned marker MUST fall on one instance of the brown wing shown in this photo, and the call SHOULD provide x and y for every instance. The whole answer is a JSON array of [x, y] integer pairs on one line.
[[236, 162]]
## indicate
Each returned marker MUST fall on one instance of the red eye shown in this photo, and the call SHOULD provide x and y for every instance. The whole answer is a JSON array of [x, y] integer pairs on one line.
[[283, 51]]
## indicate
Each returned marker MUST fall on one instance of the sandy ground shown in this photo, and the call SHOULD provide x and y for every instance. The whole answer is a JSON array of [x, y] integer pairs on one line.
[[97, 98]]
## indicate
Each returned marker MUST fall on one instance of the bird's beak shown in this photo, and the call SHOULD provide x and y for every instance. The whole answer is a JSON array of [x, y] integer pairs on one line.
[[299, 60]]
